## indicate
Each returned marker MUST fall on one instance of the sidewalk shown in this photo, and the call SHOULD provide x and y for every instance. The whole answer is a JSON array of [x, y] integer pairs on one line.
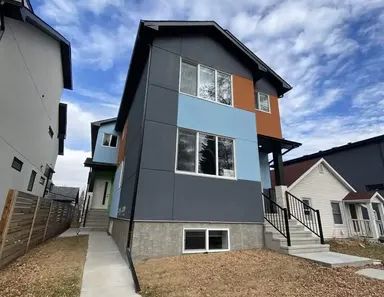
[[106, 273]]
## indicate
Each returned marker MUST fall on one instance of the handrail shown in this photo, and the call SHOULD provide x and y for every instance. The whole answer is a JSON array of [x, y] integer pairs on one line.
[[277, 216], [305, 214]]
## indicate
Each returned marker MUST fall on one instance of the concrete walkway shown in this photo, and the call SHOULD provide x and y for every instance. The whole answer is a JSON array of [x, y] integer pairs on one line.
[[332, 259], [372, 273], [106, 273]]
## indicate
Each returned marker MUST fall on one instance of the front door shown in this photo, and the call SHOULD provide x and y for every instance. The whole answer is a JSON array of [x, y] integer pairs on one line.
[[101, 194]]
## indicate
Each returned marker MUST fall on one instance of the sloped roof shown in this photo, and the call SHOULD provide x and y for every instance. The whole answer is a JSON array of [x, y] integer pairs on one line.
[[361, 196], [294, 171], [64, 193]]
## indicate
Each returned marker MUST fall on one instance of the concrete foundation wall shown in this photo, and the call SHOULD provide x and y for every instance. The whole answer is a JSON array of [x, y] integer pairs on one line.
[[120, 234], [162, 239]]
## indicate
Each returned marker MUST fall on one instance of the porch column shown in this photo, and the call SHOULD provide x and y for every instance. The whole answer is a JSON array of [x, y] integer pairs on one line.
[[280, 187], [372, 221]]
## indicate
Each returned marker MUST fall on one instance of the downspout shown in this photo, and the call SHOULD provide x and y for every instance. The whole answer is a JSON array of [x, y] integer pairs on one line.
[[132, 216]]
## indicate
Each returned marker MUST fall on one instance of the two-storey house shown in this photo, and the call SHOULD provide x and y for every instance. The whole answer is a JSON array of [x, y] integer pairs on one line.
[[102, 164], [35, 67]]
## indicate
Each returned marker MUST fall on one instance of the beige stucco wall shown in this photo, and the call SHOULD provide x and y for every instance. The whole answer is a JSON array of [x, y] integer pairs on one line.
[[31, 83]]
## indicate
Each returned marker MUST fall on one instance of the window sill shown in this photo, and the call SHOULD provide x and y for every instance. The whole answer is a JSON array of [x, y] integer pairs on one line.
[[213, 101], [205, 175], [204, 251], [268, 112]]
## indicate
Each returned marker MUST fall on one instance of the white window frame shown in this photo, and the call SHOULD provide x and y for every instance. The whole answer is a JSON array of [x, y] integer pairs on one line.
[[206, 250], [109, 144], [198, 82], [196, 172], [121, 173], [258, 102], [341, 212]]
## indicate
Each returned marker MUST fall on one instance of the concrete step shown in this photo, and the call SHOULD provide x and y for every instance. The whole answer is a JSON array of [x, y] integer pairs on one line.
[[305, 248], [292, 228], [298, 241]]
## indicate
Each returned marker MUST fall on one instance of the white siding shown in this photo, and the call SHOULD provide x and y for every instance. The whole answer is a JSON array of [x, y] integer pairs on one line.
[[31, 84], [322, 188]]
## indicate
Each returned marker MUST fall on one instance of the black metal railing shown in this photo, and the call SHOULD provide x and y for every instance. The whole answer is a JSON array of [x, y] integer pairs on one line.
[[277, 217], [305, 214]]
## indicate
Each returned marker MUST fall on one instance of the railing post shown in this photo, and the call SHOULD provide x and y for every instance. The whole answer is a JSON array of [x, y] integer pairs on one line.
[[288, 206], [287, 226], [320, 226]]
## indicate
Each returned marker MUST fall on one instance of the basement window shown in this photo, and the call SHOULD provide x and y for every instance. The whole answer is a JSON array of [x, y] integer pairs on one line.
[[205, 240]]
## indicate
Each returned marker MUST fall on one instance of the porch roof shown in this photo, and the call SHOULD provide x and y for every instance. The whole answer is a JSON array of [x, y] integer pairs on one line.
[[358, 196]]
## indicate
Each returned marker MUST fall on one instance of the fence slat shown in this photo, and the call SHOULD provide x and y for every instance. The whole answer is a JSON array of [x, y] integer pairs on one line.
[[6, 217]]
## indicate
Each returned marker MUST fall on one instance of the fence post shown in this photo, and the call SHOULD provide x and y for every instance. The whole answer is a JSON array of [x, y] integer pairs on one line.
[[33, 222], [49, 216], [6, 217]]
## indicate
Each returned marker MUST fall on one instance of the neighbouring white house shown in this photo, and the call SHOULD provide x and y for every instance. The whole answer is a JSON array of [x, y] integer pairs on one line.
[[35, 67], [344, 212]]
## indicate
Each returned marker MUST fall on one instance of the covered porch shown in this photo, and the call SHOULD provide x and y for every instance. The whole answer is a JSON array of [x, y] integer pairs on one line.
[[364, 214]]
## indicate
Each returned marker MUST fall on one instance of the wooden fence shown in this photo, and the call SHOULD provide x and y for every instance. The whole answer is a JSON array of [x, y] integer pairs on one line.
[[29, 220]]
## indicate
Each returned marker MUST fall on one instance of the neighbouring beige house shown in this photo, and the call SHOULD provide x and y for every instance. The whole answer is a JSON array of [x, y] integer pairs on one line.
[[344, 212], [35, 68]]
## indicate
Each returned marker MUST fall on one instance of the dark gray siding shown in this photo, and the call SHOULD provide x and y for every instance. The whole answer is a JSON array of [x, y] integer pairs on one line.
[[262, 85], [360, 166], [162, 194], [132, 153]]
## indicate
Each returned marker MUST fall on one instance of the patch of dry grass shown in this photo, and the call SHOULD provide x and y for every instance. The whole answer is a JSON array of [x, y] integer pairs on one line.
[[360, 248], [53, 269], [249, 273]]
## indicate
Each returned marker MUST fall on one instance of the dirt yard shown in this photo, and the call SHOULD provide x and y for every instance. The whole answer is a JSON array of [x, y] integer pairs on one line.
[[249, 273], [358, 248], [53, 269]]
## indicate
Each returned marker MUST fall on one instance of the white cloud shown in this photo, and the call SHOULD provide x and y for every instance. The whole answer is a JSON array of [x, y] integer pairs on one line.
[[70, 170]]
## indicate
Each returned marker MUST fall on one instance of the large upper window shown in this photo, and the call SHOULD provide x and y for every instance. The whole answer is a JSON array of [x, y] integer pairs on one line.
[[205, 240], [110, 140], [263, 102], [205, 82], [205, 154]]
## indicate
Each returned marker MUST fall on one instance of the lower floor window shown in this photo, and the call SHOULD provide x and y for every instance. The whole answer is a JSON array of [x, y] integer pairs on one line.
[[206, 240], [205, 154], [336, 211]]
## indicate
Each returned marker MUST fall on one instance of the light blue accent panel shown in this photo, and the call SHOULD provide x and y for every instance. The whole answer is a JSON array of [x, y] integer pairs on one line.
[[113, 208], [203, 115], [247, 160], [264, 171], [102, 153]]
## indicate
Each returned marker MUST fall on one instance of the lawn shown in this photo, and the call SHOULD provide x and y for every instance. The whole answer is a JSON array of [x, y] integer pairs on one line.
[[249, 273], [53, 269], [359, 248]]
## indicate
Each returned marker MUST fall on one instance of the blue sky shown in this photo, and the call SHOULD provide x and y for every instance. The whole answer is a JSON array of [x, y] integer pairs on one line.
[[331, 52]]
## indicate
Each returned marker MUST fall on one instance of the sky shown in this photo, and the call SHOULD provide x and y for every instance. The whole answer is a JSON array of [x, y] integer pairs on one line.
[[330, 51]]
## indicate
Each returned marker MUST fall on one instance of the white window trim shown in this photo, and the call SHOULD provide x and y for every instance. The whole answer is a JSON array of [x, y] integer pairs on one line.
[[341, 212], [109, 146], [206, 250], [196, 172], [121, 173], [198, 82], [258, 102]]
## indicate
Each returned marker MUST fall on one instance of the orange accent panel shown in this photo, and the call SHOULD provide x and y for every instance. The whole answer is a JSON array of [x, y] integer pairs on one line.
[[122, 142], [269, 123], [243, 93]]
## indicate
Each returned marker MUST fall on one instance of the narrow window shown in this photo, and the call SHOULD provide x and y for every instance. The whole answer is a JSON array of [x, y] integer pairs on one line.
[[224, 88], [113, 141], [307, 204], [188, 80], [194, 240], [218, 240], [336, 211], [207, 154], [263, 103], [17, 164], [207, 83], [50, 132], [31, 181], [105, 192], [42, 180], [186, 151], [226, 157]]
